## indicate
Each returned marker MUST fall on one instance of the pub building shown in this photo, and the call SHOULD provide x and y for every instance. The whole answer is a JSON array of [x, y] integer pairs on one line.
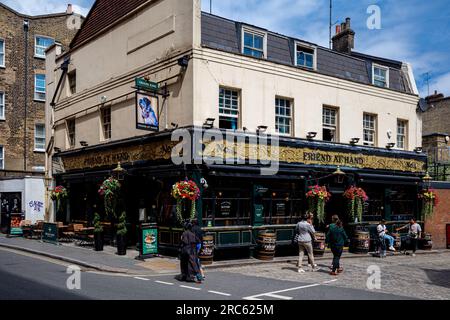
[[137, 72]]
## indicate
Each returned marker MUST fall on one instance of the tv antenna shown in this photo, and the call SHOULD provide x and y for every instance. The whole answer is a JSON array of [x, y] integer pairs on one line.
[[427, 80], [331, 24], [210, 6]]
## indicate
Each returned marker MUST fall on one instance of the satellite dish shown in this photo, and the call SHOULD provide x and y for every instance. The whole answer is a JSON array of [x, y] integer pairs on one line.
[[423, 105]]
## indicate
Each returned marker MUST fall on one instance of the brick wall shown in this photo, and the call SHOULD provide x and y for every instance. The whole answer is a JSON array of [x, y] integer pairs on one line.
[[437, 224], [435, 119], [12, 83]]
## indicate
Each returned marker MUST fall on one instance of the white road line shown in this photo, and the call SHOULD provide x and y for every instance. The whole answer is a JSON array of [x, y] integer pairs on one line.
[[167, 283], [331, 281], [143, 279], [192, 288], [278, 297], [220, 293]]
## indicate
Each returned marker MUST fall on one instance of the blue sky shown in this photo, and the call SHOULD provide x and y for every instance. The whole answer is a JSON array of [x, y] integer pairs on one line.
[[414, 31]]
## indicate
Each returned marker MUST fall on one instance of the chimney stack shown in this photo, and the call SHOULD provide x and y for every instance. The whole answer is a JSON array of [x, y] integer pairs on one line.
[[344, 40], [69, 9]]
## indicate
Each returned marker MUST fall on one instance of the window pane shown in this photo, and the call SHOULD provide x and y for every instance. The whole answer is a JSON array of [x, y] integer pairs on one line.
[[248, 39], [41, 45], [259, 42], [2, 105], [2, 166]]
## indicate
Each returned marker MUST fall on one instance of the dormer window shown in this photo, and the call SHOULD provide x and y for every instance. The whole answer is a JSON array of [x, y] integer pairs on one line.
[[254, 43], [380, 76], [305, 56]]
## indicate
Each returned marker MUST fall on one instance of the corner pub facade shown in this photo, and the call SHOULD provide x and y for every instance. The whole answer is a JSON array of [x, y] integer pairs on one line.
[[329, 109]]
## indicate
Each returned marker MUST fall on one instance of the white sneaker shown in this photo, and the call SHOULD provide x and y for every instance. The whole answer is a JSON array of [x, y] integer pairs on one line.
[[301, 271], [313, 266], [392, 249], [315, 269], [413, 254]]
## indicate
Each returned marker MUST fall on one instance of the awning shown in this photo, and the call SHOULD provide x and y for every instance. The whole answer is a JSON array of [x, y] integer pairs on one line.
[[389, 179]]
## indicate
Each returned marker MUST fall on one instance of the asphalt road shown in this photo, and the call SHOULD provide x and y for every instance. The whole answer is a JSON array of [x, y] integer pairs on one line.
[[34, 278]]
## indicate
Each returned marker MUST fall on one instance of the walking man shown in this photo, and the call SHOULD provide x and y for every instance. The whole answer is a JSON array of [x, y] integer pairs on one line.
[[415, 231], [305, 235], [337, 238]]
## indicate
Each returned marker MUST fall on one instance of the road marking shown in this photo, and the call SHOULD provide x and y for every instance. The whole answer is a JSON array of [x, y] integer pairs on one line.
[[274, 294], [220, 293], [143, 279], [167, 283], [192, 288]]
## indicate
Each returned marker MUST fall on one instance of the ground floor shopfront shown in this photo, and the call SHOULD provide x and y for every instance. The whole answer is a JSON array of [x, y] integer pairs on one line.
[[237, 201]]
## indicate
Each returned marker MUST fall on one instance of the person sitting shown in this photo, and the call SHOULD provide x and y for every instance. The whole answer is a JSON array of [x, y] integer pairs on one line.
[[382, 234]]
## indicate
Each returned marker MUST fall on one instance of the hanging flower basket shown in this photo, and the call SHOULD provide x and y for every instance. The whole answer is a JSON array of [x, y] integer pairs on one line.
[[317, 197], [59, 194], [430, 200], [185, 191], [109, 190], [356, 197]]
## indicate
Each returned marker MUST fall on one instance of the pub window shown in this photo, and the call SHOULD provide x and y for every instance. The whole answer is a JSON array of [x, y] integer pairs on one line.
[[39, 87], [283, 116], [2, 53], [254, 43], [71, 132], [330, 124], [2, 106], [402, 133], [370, 129], [39, 138], [72, 77], [41, 44], [2, 158], [228, 109], [305, 56], [282, 203], [106, 123]]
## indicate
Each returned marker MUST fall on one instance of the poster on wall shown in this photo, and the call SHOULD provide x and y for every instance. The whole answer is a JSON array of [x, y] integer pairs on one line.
[[147, 112], [16, 220]]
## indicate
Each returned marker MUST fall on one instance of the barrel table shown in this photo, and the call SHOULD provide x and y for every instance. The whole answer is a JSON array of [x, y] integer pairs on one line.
[[266, 242], [360, 242], [207, 252], [319, 244]]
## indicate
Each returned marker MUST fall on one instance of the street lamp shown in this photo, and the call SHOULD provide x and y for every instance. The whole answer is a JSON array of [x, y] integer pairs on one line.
[[427, 180], [339, 175], [119, 172]]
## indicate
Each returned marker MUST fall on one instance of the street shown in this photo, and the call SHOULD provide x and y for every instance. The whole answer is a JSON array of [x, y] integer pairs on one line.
[[24, 276]]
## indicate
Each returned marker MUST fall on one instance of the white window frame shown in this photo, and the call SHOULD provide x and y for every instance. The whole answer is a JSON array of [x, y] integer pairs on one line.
[[377, 66], [258, 33], [71, 74], [405, 134], [308, 46], [291, 117], [375, 130], [238, 110], [2, 157], [36, 92], [36, 149], [69, 144], [36, 55], [3, 46], [102, 121], [331, 127], [2, 106]]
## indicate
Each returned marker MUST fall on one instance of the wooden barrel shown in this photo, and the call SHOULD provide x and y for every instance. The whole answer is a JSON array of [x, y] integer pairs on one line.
[[426, 242], [360, 242], [398, 241], [206, 254], [266, 242], [319, 244]]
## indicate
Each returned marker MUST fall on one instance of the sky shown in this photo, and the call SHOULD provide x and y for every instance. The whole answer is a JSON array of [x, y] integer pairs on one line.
[[413, 31]]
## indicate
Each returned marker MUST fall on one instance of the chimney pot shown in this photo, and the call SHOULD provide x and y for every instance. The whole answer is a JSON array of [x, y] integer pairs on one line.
[[348, 23], [344, 40], [69, 9], [338, 29]]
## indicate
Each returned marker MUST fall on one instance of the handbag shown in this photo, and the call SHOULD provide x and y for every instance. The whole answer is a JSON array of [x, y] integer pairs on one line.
[[295, 239]]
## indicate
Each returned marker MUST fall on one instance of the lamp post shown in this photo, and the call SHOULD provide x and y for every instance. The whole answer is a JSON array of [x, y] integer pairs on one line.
[[339, 175], [47, 183], [427, 180]]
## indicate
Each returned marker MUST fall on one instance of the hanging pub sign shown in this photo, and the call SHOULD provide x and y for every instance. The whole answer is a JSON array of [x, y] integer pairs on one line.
[[143, 84], [147, 112]]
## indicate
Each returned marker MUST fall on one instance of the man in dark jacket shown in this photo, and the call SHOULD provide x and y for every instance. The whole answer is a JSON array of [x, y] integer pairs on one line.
[[337, 238]]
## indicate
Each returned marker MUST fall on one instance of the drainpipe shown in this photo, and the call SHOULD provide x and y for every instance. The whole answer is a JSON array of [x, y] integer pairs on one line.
[[25, 94]]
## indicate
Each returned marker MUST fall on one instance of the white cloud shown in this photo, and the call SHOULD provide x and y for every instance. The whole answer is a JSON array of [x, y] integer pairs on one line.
[[441, 84], [39, 7]]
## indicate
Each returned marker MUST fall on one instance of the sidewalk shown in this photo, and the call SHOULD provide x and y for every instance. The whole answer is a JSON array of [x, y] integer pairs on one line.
[[108, 261]]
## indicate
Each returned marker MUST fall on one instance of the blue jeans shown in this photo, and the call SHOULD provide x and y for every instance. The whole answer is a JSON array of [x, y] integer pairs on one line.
[[390, 239]]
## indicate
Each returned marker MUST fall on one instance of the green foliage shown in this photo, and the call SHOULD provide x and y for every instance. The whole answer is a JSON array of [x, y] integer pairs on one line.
[[122, 225], [97, 224]]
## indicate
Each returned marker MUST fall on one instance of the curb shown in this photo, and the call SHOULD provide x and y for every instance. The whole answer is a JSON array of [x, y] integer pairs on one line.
[[256, 262], [65, 259]]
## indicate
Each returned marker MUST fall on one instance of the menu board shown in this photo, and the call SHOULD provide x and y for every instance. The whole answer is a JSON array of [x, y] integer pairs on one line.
[[225, 208], [149, 240]]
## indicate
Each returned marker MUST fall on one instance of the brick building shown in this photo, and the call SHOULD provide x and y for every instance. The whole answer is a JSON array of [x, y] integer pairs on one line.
[[23, 42]]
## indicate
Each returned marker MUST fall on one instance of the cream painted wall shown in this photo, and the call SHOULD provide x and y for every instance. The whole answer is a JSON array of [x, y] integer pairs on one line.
[[260, 82]]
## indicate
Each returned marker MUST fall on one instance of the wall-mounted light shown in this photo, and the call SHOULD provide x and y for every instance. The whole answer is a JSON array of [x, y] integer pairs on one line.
[[184, 62], [354, 141], [261, 129], [390, 146], [209, 123], [311, 135], [84, 144], [418, 150], [103, 99], [447, 139], [174, 125], [57, 150]]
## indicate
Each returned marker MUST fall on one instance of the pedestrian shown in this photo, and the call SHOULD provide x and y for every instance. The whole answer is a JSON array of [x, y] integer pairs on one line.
[[199, 234], [334, 220], [305, 234], [414, 233], [382, 234], [188, 255], [337, 238]]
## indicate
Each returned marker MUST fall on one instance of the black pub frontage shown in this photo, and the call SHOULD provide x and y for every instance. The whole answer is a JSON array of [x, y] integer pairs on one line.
[[237, 201]]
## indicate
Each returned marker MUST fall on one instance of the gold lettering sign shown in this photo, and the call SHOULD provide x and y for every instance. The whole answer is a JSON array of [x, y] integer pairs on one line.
[[154, 151], [239, 151]]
